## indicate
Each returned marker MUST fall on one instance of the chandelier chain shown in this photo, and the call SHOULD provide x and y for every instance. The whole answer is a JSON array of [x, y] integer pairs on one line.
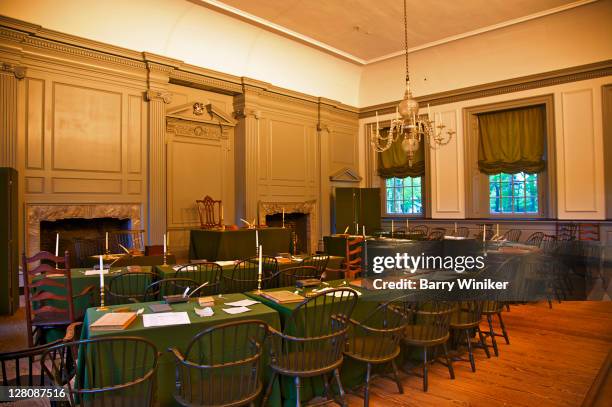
[[406, 42]]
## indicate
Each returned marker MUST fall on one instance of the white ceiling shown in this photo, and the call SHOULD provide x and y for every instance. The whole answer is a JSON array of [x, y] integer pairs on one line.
[[367, 30]]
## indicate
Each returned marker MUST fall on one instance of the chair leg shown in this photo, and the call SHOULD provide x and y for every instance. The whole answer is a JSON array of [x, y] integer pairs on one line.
[[503, 328], [449, 362], [400, 388], [469, 346], [425, 386], [297, 391], [269, 389], [492, 335], [483, 342], [340, 388], [326, 384], [366, 396]]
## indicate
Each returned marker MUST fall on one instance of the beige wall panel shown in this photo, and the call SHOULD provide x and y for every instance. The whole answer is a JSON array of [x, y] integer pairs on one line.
[[134, 187], [86, 129], [447, 174], [35, 123], [288, 151], [343, 150], [134, 134], [85, 186], [194, 170], [34, 185], [578, 149]]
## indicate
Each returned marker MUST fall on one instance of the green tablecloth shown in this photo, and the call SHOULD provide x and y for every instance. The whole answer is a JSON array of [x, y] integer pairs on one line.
[[214, 245], [180, 335], [352, 373]]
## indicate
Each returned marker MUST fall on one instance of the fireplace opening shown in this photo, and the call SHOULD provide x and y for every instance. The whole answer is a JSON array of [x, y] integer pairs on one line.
[[298, 223], [83, 238]]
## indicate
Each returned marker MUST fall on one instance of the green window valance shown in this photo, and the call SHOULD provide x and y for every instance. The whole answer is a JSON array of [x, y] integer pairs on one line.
[[393, 163], [512, 141]]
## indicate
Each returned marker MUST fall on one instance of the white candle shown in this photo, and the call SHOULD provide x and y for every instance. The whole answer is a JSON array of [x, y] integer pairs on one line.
[[164, 243], [168, 238], [101, 273], [407, 227], [455, 227], [106, 244], [259, 265], [356, 228], [221, 213], [484, 232], [56, 244], [363, 230], [497, 230], [256, 239], [392, 226]]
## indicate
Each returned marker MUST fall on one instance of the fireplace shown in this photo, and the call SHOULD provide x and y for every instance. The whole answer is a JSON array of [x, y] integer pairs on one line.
[[297, 223], [305, 213], [121, 216]]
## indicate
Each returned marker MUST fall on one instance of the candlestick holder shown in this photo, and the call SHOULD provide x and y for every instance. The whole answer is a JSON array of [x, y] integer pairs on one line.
[[165, 259], [258, 291], [102, 307]]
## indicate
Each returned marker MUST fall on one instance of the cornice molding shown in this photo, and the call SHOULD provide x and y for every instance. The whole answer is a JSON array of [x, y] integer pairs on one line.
[[551, 78]]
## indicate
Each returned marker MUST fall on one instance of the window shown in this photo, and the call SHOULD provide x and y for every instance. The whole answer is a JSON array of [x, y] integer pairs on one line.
[[404, 196], [513, 193]]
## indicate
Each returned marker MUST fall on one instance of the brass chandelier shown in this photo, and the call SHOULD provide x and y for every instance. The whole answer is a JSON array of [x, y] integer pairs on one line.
[[407, 124]]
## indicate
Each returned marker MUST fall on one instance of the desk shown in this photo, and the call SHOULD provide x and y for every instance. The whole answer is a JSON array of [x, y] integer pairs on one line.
[[214, 245], [180, 335]]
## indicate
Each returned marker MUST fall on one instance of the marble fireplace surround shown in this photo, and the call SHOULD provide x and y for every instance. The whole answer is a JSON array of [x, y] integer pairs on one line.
[[35, 213], [306, 207]]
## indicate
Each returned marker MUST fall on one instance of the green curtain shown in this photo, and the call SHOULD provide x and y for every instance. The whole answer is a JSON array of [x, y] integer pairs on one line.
[[512, 141], [393, 163]]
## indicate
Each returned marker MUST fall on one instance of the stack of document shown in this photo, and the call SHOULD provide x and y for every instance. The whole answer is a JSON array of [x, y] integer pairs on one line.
[[165, 319], [238, 307]]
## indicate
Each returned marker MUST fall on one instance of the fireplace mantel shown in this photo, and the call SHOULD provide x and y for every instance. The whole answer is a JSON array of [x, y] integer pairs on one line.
[[306, 207], [35, 213]]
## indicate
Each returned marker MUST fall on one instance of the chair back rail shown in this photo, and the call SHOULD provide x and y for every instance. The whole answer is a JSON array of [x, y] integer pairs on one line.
[[244, 276], [129, 287], [39, 313], [427, 321], [535, 239], [512, 235], [110, 371], [221, 365], [319, 261], [170, 286], [289, 276], [201, 273], [209, 211]]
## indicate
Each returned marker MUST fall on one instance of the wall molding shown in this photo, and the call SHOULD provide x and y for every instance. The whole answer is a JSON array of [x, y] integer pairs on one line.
[[540, 80]]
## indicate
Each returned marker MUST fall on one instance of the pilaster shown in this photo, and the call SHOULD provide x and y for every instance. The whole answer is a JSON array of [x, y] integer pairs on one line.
[[9, 75]]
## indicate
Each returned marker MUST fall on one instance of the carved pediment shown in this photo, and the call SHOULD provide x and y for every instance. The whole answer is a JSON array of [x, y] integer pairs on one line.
[[201, 112], [346, 174], [189, 128]]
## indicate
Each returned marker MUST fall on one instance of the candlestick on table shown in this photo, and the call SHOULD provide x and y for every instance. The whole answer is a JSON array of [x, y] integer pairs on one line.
[[392, 227], [497, 230], [356, 228], [484, 232], [165, 250], [106, 243], [455, 228], [364, 234], [56, 244], [102, 307], [283, 217], [407, 228], [256, 240], [259, 270]]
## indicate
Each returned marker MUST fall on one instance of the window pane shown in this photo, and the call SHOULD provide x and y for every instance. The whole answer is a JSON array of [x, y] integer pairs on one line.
[[513, 193], [404, 195], [494, 205], [506, 177]]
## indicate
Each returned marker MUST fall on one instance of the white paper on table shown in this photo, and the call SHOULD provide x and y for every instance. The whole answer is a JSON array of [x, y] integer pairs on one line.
[[224, 263], [242, 303], [204, 312], [165, 319], [454, 238], [236, 310], [95, 272]]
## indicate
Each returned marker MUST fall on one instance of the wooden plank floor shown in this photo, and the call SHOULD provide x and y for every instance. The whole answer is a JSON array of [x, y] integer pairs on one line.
[[553, 358]]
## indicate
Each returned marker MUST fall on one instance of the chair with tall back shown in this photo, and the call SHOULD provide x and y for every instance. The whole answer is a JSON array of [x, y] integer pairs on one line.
[[436, 234], [201, 273], [512, 235], [129, 287], [49, 301], [133, 240], [352, 260], [221, 365], [23, 368], [428, 327], [318, 260], [466, 319], [170, 286], [244, 276], [112, 371], [312, 340], [375, 341], [209, 211]]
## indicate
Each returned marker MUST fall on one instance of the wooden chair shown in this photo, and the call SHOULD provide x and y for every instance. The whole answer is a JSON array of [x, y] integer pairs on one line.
[[221, 365], [245, 275], [112, 371], [133, 240], [351, 266], [512, 235], [210, 217], [84, 249], [319, 261], [462, 231], [375, 341], [428, 327], [420, 229], [488, 234], [23, 368], [289, 276], [45, 288], [436, 234], [466, 319], [129, 287], [566, 231], [201, 273], [312, 340], [170, 286], [535, 239]]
